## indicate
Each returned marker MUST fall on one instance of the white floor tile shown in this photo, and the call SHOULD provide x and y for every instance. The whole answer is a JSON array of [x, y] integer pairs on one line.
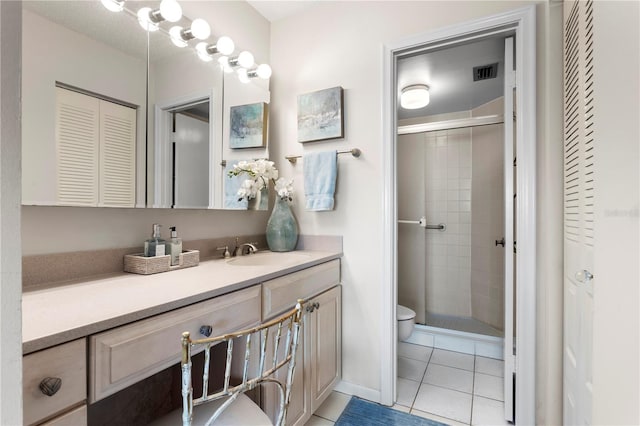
[[402, 408], [444, 402], [493, 367], [318, 421], [488, 386], [418, 352], [440, 419], [407, 391], [452, 359], [411, 369], [333, 406], [487, 412], [449, 377]]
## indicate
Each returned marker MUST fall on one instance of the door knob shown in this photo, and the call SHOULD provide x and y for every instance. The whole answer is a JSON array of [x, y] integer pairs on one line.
[[583, 276]]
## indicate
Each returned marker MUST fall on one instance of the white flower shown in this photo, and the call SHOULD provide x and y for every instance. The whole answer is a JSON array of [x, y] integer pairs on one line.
[[284, 188], [261, 172]]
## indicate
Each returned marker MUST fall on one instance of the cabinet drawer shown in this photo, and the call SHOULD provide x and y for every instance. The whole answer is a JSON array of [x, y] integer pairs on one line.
[[128, 354], [281, 293], [67, 362]]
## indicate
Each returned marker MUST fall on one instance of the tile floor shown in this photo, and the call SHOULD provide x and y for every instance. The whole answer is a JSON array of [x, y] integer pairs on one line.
[[449, 387]]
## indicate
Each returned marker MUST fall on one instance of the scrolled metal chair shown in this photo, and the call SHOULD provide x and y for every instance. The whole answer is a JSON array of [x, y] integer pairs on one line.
[[229, 405]]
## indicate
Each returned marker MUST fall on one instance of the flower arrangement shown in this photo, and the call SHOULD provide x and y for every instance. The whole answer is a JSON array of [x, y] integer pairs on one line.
[[261, 172]]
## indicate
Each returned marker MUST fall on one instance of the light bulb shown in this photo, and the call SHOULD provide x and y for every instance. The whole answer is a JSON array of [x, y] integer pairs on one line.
[[200, 29], [224, 64], [170, 10], [201, 48], [113, 5], [225, 45], [144, 20], [245, 59], [415, 96], [175, 33], [242, 75], [263, 71]]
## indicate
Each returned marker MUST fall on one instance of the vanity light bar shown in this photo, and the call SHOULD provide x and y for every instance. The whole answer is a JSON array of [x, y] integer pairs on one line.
[[171, 11]]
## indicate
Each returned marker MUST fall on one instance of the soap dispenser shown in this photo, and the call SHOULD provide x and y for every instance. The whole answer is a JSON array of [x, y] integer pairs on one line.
[[154, 246], [175, 247]]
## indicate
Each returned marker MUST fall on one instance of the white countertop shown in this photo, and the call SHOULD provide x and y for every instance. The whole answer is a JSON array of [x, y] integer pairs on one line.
[[61, 314]]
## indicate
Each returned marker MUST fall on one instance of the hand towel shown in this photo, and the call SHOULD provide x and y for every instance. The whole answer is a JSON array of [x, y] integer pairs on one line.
[[320, 173], [231, 186]]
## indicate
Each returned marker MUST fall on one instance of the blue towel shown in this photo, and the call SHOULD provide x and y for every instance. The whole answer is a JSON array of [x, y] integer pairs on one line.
[[231, 186], [320, 172]]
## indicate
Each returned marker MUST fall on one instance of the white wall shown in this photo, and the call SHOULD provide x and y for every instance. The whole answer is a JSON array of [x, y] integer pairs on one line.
[[10, 264], [340, 43]]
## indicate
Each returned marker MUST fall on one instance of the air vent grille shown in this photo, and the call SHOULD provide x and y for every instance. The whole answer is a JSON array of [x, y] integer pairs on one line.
[[485, 72]]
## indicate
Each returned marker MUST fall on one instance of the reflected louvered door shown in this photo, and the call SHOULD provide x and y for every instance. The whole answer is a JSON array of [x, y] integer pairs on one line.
[[77, 150], [578, 211], [117, 155]]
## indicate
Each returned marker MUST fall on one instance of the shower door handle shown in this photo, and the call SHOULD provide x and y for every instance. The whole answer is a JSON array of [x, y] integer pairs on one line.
[[500, 242]]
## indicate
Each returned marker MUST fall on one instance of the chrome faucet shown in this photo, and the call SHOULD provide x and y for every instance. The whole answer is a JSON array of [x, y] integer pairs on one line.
[[244, 249]]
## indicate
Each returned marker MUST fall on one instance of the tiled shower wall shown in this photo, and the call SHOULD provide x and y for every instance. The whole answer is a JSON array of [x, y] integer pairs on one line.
[[448, 201]]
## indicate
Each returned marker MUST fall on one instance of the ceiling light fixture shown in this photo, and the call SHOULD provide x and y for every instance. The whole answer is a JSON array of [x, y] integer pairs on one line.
[[414, 96], [244, 59]]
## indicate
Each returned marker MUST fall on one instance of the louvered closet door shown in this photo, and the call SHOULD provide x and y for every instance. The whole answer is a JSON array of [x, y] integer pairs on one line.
[[117, 155], [77, 127], [578, 211]]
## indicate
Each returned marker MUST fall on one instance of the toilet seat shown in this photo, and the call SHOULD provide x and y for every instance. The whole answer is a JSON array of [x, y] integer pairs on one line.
[[403, 313]]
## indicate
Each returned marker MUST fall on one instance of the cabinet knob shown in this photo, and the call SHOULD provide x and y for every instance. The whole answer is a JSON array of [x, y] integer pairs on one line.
[[316, 305], [206, 330], [50, 385]]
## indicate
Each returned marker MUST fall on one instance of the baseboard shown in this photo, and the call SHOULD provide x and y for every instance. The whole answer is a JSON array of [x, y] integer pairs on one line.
[[359, 391], [458, 341]]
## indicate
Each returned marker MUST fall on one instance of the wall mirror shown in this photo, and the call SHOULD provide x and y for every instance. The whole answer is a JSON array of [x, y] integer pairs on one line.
[[95, 66]]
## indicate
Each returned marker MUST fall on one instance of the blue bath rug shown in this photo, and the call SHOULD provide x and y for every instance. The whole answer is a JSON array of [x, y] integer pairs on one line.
[[364, 413]]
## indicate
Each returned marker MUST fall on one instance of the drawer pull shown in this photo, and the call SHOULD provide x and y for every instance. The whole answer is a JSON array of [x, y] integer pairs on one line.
[[206, 330], [312, 307], [50, 385]]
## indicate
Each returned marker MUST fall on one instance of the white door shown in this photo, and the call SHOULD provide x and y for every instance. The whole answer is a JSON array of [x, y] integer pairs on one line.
[[191, 162], [578, 213], [509, 245]]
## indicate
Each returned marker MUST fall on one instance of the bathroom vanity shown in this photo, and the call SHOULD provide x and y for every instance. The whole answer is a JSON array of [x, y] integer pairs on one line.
[[102, 336]]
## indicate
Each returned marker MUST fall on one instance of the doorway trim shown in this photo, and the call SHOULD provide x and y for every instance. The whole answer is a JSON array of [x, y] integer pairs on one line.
[[162, 145], [523, 22]]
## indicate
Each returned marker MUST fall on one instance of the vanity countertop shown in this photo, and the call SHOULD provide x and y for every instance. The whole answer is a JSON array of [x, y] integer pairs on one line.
[[61, 314]]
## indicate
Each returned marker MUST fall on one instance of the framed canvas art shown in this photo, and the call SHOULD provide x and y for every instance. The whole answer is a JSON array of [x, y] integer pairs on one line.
[[320, 115], [247, 126]]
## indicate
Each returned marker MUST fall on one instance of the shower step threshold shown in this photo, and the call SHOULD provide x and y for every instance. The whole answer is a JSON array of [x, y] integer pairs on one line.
[[458, 341]]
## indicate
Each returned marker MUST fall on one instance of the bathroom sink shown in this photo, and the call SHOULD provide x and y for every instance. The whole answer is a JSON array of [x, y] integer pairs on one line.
[[268, 258]]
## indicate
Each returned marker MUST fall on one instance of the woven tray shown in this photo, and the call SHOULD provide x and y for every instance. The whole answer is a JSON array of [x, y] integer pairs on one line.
[[138, 264]]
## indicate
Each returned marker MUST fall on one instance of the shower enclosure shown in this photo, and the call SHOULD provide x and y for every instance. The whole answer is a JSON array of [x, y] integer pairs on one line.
[[453, 277]]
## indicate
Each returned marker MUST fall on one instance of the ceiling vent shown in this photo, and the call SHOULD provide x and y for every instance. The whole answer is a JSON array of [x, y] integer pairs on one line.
[[485, 72]]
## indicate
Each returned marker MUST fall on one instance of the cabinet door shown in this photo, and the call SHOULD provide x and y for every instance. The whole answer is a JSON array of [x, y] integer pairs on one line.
[[323, 337], [117, 155], [77, 148]]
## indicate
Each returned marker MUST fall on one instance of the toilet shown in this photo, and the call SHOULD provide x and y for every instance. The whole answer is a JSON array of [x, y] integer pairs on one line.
[[406, 320]]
